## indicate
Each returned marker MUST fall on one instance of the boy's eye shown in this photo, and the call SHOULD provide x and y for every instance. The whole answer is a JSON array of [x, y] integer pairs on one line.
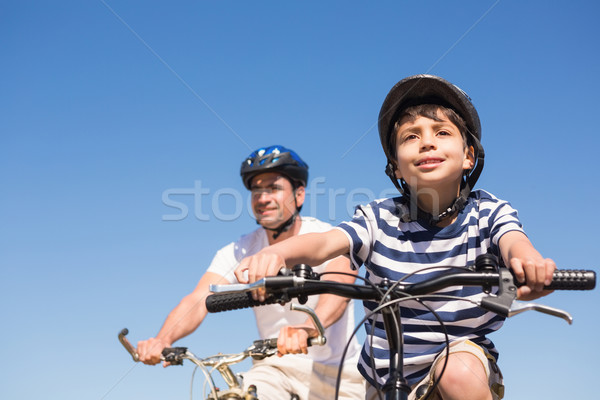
[[444, 133]]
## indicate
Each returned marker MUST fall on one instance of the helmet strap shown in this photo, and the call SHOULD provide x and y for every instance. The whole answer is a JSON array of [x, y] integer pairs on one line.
[[414, 212], [285, 226], [389, 171]]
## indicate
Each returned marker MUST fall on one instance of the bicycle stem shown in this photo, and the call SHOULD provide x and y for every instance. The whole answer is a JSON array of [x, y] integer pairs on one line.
[[396, 385]]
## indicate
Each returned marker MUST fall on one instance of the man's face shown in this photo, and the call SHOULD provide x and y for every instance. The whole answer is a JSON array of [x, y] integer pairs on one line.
[[274, 199]]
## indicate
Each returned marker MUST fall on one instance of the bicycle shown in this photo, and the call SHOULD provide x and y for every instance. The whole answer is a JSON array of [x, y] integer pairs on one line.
[[259, 350], [485, 273]]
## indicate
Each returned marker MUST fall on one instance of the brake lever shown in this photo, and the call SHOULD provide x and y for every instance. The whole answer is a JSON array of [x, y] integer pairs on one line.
[[519, 307], [507, 293], [506, 304], [319, 340], [264, 348], [269, 283], [237, 287]]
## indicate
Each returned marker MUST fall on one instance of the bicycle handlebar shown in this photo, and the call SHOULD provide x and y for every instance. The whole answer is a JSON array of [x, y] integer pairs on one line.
[[485, 273], [128, 346], [259, 349], [281, 289]]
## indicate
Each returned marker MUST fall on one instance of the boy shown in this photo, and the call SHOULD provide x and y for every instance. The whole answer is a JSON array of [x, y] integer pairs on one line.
[[430, 133]]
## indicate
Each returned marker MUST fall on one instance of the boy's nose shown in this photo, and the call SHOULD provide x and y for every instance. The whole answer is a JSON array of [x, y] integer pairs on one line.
[[427, 141]]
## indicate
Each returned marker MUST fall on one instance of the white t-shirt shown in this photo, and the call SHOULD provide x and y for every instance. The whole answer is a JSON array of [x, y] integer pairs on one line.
[[271, 318]]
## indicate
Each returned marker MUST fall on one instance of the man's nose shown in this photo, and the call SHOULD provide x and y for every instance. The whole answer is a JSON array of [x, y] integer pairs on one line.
[[263, 196]]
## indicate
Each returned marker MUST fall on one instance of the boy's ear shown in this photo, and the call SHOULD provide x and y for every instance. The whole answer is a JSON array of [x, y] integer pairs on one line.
[[469, 162]]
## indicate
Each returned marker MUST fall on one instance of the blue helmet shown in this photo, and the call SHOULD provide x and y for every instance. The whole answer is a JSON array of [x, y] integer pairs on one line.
[[274, 159]]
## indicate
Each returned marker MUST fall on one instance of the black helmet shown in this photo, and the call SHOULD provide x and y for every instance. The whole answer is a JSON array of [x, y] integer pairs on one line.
[[431, 89], [425, 89], [274, 159]]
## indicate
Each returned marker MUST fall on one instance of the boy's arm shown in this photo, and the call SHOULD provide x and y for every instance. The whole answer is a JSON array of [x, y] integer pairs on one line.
[[311, 249], [527, 264]]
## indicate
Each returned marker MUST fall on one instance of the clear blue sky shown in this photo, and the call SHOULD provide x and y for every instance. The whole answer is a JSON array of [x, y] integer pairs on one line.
[[113, 113]]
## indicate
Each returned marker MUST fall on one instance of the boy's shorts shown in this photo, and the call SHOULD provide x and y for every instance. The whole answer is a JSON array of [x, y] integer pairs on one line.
[[489, 364]]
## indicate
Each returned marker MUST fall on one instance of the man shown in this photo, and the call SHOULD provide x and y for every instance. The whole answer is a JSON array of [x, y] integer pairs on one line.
[[276, 178]]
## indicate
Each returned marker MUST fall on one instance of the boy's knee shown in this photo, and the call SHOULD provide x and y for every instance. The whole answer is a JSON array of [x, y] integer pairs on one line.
[[464, 377]]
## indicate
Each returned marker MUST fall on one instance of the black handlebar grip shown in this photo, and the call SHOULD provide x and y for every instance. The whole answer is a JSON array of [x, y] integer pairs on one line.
[[233, 301], [573, 279]]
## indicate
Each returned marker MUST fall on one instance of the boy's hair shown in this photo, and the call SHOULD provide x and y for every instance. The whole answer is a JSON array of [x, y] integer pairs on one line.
[[428, 111]]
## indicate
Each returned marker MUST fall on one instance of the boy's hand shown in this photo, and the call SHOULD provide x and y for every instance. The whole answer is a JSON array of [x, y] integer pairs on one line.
[[263, 263], [535, 273], [527, 264]]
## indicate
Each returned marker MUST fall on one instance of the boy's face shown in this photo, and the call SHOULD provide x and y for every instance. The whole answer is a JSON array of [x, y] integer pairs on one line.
[[431, 154]]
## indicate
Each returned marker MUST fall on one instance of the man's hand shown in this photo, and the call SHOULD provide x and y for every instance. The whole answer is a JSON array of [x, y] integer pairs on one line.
[[149, 351], [294, 339]]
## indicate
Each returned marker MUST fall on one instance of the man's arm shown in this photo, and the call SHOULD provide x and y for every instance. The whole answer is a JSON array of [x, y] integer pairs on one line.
[[527, 263], [181, 321]]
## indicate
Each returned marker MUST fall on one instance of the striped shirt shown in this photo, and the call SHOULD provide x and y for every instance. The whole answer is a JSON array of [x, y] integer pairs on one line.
[[390, 248]]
